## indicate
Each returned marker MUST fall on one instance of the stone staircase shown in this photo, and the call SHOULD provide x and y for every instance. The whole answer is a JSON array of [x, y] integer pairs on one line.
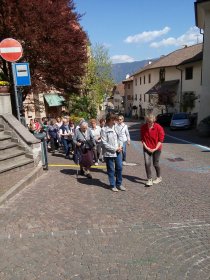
[[12, 154]]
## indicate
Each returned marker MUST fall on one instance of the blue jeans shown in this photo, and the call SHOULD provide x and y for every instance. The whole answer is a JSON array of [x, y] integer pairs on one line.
[[66, 145], [124, 151], [114, 169]]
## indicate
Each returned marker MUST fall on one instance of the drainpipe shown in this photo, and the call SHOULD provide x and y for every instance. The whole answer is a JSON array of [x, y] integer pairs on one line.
[[202, 58], [180, 95]]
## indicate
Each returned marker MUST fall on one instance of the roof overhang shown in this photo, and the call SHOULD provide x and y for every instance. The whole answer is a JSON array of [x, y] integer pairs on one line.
[[54, 100], [167, 87], [200, 7]]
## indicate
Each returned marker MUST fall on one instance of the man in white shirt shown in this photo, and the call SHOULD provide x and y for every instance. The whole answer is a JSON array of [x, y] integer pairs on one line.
[[122, 129], [96, 131]]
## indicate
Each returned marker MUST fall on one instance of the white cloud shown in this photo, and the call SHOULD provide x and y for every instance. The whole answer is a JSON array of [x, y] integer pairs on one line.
[[122, 58], [191, 37], [107, 45], [147, 36]]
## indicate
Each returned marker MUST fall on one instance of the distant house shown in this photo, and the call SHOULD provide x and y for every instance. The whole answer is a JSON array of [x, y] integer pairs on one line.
[[118, 97], [202, 19], [159, 85], [128, 95]]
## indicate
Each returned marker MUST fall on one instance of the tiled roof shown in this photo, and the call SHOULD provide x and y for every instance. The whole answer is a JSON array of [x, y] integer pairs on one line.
[[175, 58], [197, 57], [166, 87], [130, 79]]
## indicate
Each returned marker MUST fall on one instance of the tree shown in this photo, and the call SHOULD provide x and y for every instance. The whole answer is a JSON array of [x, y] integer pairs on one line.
[[98, 81], [53, 42], [82, 106]]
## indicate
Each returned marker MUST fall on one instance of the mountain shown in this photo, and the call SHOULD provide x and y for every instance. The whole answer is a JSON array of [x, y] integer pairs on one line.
[[120, 70]]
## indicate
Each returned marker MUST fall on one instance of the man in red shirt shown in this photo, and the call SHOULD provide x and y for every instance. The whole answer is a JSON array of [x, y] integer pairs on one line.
[[152, 136]]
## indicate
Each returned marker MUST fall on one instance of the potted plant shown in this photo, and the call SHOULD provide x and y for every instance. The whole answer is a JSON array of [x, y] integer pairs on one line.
[[4, 86]]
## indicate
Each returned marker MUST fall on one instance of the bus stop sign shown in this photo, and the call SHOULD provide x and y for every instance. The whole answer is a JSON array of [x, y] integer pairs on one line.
[[21, 74]]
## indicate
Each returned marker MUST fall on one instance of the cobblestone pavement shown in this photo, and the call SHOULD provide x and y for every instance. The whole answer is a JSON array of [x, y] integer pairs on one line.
[[62, 227]]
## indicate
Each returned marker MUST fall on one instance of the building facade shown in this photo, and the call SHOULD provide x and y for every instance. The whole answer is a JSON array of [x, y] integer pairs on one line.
[[202, 18], [165, 84]]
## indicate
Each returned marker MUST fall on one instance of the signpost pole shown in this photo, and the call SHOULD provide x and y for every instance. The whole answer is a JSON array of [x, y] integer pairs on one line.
[[16, 94]]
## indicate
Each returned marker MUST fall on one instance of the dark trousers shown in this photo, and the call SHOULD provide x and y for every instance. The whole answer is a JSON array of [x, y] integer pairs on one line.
[[148, 158], [97, 151], [54, 144]]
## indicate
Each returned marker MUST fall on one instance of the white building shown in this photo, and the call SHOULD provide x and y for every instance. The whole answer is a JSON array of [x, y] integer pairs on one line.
[[118, 97], [128, 97], [159, 86], [202, 16]]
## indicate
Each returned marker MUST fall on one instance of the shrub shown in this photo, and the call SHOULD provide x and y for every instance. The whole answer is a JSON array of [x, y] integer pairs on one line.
[[4, 83]]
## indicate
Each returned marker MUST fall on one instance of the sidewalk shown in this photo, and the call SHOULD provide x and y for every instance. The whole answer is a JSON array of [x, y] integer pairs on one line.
[[7, 181], [63, 227]]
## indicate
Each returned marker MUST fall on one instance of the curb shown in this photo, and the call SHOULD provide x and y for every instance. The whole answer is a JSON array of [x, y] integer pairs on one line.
[[27, 180]]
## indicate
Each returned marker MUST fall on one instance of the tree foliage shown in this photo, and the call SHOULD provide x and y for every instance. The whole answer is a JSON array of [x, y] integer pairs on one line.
[[98, 81], [82, 106], [53, 41]]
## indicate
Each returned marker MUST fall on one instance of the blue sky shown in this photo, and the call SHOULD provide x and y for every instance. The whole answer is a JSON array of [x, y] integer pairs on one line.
[[134, 30]]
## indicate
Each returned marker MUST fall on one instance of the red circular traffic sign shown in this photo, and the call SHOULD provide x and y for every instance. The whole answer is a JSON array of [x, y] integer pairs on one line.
[[10, 50]]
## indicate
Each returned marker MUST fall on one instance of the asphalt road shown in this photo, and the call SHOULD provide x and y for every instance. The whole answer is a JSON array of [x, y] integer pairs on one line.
[[64, 227]]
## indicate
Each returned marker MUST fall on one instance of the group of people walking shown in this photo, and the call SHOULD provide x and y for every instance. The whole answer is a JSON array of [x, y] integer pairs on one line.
[[107, 140], [90, 142], [114, 137]]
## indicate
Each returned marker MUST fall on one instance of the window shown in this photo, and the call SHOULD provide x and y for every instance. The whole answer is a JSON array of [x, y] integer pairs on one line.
[[128, 86], [135, 96], [149, 78], [144, 80], [140, 80], [140, 97], [188, 73], [135, 81], [162, 75]]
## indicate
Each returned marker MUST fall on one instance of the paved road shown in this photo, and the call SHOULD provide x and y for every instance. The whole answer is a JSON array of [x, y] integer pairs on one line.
[[62, 227]]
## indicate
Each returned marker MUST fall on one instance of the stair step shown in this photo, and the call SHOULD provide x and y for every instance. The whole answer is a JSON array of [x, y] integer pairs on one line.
[[5, 146], [16, 164], [5, 137], [13, 149], [11, 154]]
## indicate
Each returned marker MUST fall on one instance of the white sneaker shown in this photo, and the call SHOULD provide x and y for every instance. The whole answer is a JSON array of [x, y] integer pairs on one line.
[[149, 182], [157, 180], [114, 189], [124, 163], [122, 188], [96, 163]]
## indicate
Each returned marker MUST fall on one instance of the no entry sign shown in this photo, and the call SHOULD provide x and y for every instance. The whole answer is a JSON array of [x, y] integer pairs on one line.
[[11, 50]]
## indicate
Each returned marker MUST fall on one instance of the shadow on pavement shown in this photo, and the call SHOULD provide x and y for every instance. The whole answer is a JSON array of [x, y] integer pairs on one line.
[[92, 182], [135, 179], [69, 171]]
